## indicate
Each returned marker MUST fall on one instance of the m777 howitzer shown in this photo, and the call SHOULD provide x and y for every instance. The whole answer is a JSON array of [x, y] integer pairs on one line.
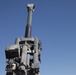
[[23, 57]]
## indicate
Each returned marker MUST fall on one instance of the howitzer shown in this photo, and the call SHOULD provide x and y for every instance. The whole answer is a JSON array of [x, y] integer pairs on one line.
[[23, 57]]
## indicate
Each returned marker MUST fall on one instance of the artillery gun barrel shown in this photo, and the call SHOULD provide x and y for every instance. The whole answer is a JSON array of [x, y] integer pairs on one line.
[[30, 8]]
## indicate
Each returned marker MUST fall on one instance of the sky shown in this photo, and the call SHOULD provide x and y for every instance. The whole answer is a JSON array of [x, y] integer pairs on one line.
[[54, 23]]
